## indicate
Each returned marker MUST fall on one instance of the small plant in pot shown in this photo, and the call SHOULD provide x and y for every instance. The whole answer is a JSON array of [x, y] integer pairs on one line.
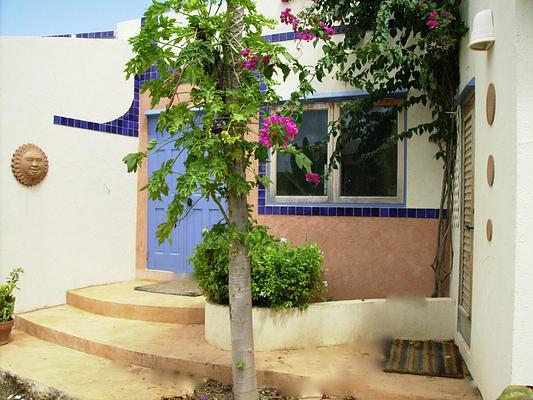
[[7, 304]]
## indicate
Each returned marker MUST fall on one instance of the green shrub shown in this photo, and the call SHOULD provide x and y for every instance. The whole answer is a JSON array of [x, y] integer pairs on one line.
[[282, 276]]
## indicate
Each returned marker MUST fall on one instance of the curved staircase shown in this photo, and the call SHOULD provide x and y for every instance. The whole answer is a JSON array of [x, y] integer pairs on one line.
[[165, 333]]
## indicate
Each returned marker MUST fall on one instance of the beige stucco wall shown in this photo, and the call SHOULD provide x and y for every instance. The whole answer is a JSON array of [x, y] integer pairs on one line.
[[76, 228], [501, 350]]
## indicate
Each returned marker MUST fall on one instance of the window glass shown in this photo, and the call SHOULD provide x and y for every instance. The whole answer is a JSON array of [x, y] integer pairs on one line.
[[371, 175], [312, 141]]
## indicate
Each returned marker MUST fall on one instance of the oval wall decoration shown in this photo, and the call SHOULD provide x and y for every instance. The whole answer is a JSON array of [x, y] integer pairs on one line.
[[489, 229], [29, 164], [491, 103], [490, 170]]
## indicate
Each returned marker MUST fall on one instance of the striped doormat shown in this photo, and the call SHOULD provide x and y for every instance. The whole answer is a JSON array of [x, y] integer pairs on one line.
[[424, 358]]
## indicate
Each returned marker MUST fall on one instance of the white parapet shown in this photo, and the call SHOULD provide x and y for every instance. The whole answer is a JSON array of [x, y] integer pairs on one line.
[[338, 322]]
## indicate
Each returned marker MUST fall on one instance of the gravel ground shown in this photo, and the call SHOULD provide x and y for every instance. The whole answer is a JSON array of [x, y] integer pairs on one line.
[[213, 390], [15, 388]]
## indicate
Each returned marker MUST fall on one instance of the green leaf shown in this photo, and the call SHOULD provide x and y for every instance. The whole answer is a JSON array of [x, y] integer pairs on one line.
[[133, 161], [151, 144]]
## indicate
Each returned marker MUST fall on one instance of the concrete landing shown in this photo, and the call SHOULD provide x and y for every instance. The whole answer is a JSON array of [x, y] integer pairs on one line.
[[84, 376], [173, 347], [121, 301]]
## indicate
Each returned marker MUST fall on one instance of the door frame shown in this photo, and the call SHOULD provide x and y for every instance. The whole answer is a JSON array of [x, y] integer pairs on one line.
[[464, 317]]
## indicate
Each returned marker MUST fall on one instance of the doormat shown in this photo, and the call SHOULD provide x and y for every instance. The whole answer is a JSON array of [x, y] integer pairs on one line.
[[179, 287], [424, 358]]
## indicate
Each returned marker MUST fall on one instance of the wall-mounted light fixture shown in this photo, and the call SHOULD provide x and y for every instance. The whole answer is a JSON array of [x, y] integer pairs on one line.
[[482, 31]]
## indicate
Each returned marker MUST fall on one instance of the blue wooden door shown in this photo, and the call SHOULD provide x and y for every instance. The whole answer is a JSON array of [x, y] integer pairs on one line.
[[174, 256]]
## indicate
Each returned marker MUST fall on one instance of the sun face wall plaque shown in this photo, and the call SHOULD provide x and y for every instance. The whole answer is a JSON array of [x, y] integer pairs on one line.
[[29, 164]]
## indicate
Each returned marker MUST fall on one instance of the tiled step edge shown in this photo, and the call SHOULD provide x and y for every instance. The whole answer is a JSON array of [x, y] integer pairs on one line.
[[179, 315]]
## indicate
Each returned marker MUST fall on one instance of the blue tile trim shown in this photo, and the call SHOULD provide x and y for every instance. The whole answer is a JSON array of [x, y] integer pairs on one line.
[[291, 35], [96, 35], [127, 124], [334, 211], [88, 35]]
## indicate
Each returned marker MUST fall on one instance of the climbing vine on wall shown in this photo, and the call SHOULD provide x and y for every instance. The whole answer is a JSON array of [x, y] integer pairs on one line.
[[392, 46]]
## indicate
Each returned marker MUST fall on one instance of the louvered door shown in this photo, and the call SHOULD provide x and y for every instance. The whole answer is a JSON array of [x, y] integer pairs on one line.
[[467, 220]]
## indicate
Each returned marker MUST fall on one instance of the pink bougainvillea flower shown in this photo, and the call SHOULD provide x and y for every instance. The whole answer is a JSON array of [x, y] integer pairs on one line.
[[289, 19], [433, 14], [251, 64], [245, 52], [447, 14], [311, 177], [266, 59], [432, 24], [277, 130], [264, 139], [328, 29], [306, 35]]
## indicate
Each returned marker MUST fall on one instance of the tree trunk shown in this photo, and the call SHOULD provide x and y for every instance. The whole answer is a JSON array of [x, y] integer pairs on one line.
[[240, 295], [240, 287]]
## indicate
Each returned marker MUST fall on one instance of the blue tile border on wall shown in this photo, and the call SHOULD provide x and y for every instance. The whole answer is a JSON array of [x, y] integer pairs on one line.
[[87, 35], [333, 210], [96, 35], [127, 124]]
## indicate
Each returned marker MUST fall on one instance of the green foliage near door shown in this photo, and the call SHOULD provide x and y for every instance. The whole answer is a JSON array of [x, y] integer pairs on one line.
[[283, 276]]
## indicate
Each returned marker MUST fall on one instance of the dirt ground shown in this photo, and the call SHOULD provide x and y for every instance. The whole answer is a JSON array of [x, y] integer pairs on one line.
[[14, 388]]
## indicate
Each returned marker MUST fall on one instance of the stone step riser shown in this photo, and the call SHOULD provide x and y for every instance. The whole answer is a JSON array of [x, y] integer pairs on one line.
[[290, 384], [177, 315], [219, 372]]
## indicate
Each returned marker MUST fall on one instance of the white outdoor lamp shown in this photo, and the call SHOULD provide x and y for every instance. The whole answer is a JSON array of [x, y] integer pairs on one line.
[[482, 31]]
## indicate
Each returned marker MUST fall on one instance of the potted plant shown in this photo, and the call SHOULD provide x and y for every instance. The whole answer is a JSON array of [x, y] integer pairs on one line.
[[7, 304]]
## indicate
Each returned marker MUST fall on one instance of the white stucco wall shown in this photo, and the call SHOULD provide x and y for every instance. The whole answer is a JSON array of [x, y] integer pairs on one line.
[[522, 361], [76, 228], [501, 350], [354, 321]]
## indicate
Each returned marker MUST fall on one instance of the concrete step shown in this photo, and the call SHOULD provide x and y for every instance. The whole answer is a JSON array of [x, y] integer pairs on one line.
[[46, 366], [173, 347], [120, 300]]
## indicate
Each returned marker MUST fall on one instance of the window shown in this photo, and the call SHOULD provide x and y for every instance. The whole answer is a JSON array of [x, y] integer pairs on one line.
[[376, 179]]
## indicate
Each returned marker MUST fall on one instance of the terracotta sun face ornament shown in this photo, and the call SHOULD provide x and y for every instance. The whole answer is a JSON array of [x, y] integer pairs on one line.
[[29, 164]]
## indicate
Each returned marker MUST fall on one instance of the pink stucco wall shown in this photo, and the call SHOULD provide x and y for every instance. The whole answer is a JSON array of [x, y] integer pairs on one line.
[[366, 257]]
